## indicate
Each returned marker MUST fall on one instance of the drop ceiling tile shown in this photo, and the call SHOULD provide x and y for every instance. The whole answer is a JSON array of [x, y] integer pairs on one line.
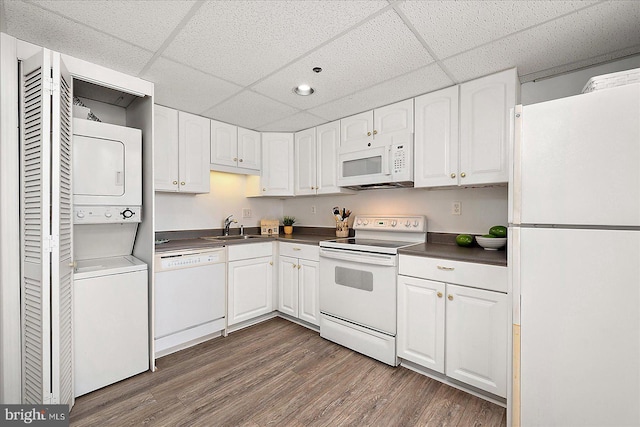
[[35, 25], [250, 110], [423, 80], [186, 89], [598, 30], [293, 123], [451, 27], [378, 50], [142, 23], [242, 41]]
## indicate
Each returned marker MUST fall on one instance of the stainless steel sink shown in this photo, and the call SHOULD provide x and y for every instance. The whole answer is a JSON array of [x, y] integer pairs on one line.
[[234, 237]]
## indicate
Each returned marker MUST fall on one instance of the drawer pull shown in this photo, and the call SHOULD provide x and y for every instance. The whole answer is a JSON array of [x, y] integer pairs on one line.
[[439, 294], [441, 267], [450, 297], [296, 249]]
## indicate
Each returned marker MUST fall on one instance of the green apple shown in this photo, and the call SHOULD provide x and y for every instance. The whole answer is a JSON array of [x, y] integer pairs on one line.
[[498, 231], [464, 240]]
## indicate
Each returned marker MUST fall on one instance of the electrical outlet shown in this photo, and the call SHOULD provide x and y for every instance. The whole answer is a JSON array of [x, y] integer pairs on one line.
[[456, 208], [313, 209], [246, 213]]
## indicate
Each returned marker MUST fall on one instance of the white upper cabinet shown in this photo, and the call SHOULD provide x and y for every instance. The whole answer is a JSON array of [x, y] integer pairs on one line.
[[463, 132], [193, 153], [305, 162], [316, 160], [436, 138], [249, 149], [234, 149], [224, 144], [181, 151], [328, 143], [276, 177], [165, 150], [361, 130], [485, 127]]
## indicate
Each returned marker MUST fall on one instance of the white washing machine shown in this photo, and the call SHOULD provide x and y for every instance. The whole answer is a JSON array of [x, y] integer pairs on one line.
[[110, 333]]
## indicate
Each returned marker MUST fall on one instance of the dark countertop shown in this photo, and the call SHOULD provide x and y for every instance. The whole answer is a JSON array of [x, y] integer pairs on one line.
[[456, 253], [438, 245], [198, 243]]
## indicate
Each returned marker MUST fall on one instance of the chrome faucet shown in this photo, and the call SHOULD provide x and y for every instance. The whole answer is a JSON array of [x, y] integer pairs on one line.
[[227, 223]]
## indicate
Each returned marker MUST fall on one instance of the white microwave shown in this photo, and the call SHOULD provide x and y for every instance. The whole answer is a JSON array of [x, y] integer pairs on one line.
[[388, 164]]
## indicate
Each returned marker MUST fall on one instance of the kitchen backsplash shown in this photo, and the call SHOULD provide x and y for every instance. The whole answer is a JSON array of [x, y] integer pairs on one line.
[[481, 207]]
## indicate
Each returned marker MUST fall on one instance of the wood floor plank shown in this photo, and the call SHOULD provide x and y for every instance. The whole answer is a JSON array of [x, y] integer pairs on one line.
[[278, 373]]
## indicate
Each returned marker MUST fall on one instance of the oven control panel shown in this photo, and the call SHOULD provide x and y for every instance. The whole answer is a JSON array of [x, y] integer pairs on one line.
[[400, 223]]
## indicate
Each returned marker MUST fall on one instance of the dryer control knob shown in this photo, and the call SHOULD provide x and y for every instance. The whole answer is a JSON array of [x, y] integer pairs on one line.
[[127, 213], [80, 214], [107, 214]]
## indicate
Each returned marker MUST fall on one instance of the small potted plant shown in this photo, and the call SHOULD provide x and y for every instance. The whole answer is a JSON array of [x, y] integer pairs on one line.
[[288, 224]]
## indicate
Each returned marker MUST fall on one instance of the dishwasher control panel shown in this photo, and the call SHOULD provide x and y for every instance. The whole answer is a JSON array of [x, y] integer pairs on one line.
[[176, 261]]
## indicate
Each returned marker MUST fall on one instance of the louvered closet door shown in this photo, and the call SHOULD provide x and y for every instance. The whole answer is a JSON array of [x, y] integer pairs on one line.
[[36, 200], [61, 230]]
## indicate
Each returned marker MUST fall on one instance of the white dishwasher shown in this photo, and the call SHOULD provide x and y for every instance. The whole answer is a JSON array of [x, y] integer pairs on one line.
[[189, 298]]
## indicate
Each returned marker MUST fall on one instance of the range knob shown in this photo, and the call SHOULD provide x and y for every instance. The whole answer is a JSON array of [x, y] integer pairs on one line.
[[127, 213], [80, 214], [416, 223], [407, 223], [359, 221], [366, 221], [394, 223]]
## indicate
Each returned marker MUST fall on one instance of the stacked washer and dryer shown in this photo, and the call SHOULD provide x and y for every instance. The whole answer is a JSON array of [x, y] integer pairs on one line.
[[110, 301]]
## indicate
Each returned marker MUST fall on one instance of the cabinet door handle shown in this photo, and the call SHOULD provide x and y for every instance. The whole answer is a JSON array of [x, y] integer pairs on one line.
[[182, 183], [235, 159], [293, 265], [240, 160], [368, 133], [270, 262], [299, 266], [264, 189], [439, 294], [297, 249], [442, 267], [453, 175], [450, 297], [375, 132], [463, 174], [175, 182]]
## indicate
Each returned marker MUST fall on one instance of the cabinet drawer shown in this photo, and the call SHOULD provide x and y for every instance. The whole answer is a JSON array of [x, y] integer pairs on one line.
[[482, 276], [295, 250], [249, 250]]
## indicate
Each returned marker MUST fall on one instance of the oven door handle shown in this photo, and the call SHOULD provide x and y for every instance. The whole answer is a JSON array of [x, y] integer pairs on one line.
[[359, 257]]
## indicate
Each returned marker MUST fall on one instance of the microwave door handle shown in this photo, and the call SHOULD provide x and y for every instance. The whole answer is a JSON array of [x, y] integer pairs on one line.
[[387, 164]]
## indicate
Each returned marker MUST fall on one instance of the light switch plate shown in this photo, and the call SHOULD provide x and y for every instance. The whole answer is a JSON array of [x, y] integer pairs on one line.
[[246, 213]]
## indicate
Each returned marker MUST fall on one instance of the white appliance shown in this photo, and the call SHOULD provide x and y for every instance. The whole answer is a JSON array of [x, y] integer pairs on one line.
[[110, 332], [574, 248], [386, 162], [107, 164], [110, 318], [189, 297], [358, 283]]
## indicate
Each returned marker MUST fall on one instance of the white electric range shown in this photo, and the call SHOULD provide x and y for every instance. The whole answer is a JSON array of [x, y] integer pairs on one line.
[[358, 282]]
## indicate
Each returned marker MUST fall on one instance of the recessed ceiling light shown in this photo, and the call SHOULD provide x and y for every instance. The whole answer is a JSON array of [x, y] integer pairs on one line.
[[303, 90]]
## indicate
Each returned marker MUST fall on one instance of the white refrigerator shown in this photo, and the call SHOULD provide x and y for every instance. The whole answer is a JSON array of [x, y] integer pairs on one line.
[[574, 259]]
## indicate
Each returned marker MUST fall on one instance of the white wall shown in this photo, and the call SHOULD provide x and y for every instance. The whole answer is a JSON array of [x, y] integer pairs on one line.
[[176, 211], [481, 207], [570, 84]]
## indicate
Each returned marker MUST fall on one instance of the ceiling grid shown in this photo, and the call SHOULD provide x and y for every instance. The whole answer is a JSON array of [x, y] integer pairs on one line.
[[238, 61]]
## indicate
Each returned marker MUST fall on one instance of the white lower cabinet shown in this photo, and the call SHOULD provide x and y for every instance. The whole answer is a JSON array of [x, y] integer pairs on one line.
[[249, 282], [298, 282], [459, 331]]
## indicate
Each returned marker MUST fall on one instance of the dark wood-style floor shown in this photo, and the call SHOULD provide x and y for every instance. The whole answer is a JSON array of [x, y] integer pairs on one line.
[[278, 373]]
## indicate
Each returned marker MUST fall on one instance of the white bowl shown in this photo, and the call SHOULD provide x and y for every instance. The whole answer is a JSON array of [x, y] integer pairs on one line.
[[491, 243]]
